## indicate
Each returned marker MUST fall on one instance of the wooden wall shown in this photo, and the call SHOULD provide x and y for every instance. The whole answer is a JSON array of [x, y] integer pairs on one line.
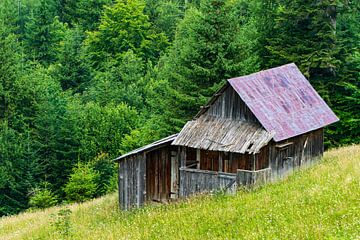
[[209, 160], [249, 179], [223, 161], [230, 105], [289, 155], [197, 181], [156, 176], [131, 181], [240, 161], [148, 176]]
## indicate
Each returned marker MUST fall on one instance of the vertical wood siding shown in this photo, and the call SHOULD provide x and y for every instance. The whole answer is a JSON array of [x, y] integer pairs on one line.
[[209, 160], [158, 171], [229, 105], [304, 151], [165, 172], [132, 182]]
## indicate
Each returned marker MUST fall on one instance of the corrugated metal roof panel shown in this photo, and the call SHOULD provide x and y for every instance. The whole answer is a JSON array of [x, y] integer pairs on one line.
[[283, 101]]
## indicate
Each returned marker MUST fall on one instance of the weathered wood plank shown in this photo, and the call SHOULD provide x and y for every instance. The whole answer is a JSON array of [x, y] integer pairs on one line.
[[196, 181]]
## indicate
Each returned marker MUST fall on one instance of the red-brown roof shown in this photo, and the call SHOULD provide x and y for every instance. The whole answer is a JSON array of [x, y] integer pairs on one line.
[[283, 101]]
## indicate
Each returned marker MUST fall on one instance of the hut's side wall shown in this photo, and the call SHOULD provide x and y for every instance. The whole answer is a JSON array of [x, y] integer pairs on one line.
[[230, 105], [289, 155], [132, 187]]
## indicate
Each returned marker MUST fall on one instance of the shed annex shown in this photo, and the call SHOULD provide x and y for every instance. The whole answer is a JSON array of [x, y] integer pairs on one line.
[[255, 129]]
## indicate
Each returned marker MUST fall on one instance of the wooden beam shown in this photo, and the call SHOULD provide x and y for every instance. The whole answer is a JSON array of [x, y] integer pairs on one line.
[[198, 158], [174, 174], [220, 162], [182, 156], [283, 145]]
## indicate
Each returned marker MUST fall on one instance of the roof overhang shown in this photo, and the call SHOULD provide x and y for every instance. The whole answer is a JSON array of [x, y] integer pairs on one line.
[[149, 147], [220, 134]]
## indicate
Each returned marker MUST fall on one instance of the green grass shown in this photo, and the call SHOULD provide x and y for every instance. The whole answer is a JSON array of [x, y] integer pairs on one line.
[[322, 202]]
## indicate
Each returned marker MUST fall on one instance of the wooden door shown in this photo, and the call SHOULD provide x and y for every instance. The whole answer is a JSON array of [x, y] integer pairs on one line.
[[285, 161], [158, 174]]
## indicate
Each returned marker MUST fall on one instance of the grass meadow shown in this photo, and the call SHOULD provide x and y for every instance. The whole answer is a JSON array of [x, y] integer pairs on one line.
[[322, 202]]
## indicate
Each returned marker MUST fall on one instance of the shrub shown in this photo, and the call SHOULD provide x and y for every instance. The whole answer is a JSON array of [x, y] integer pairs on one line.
[[82, 183], [107, 181], [42, 198]]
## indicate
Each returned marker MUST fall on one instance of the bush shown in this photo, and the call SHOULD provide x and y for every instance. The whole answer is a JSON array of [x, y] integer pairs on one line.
[[82, 183], [106, 167], [42, 198]]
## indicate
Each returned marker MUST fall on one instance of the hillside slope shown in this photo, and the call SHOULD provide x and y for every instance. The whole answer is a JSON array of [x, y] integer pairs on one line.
[[317, 203]]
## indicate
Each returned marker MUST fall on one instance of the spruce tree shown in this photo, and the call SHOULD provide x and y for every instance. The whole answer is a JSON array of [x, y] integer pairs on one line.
[[43, 33], [304, 33], [321, 37], [71, 68], [209, 48]]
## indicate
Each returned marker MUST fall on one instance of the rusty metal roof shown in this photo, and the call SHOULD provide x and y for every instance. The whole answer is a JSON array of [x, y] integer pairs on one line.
[[223, 134], [283, 101]]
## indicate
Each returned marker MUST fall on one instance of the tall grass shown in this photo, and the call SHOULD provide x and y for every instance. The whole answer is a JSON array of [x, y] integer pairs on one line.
[[322, 202]]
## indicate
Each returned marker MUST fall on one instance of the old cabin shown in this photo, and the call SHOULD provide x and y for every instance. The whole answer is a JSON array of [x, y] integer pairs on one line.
[[255, 129]]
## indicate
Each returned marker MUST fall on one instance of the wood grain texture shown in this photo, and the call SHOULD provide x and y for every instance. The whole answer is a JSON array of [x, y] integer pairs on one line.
[[217, 134], [132, 182], [229, 105], [304, 151], [198, 181]]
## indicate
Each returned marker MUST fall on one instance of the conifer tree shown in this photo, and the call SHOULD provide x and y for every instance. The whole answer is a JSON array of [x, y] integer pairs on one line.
[[43, 33], [71, 68], [208, 49], [305, 33], [321, 37]]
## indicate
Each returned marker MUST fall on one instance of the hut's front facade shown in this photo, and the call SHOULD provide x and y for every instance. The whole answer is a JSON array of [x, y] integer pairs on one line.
[[255, 129]]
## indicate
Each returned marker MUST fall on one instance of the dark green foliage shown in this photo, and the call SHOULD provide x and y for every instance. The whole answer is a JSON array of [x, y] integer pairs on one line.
[[17, 170], [106, 167], [8, 17], [84, 13], [10, 69], [304, 33], [54, 130], [120, 82], [322, 39], [209, 47], [102, 128], [43, 33], [71, 69], [165, 15]]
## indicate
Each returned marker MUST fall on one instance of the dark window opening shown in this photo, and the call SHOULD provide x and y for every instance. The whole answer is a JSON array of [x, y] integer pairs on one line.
[[191, 161]]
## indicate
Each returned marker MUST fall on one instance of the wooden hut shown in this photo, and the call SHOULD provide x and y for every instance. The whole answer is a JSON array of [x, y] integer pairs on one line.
[[255, 129]]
